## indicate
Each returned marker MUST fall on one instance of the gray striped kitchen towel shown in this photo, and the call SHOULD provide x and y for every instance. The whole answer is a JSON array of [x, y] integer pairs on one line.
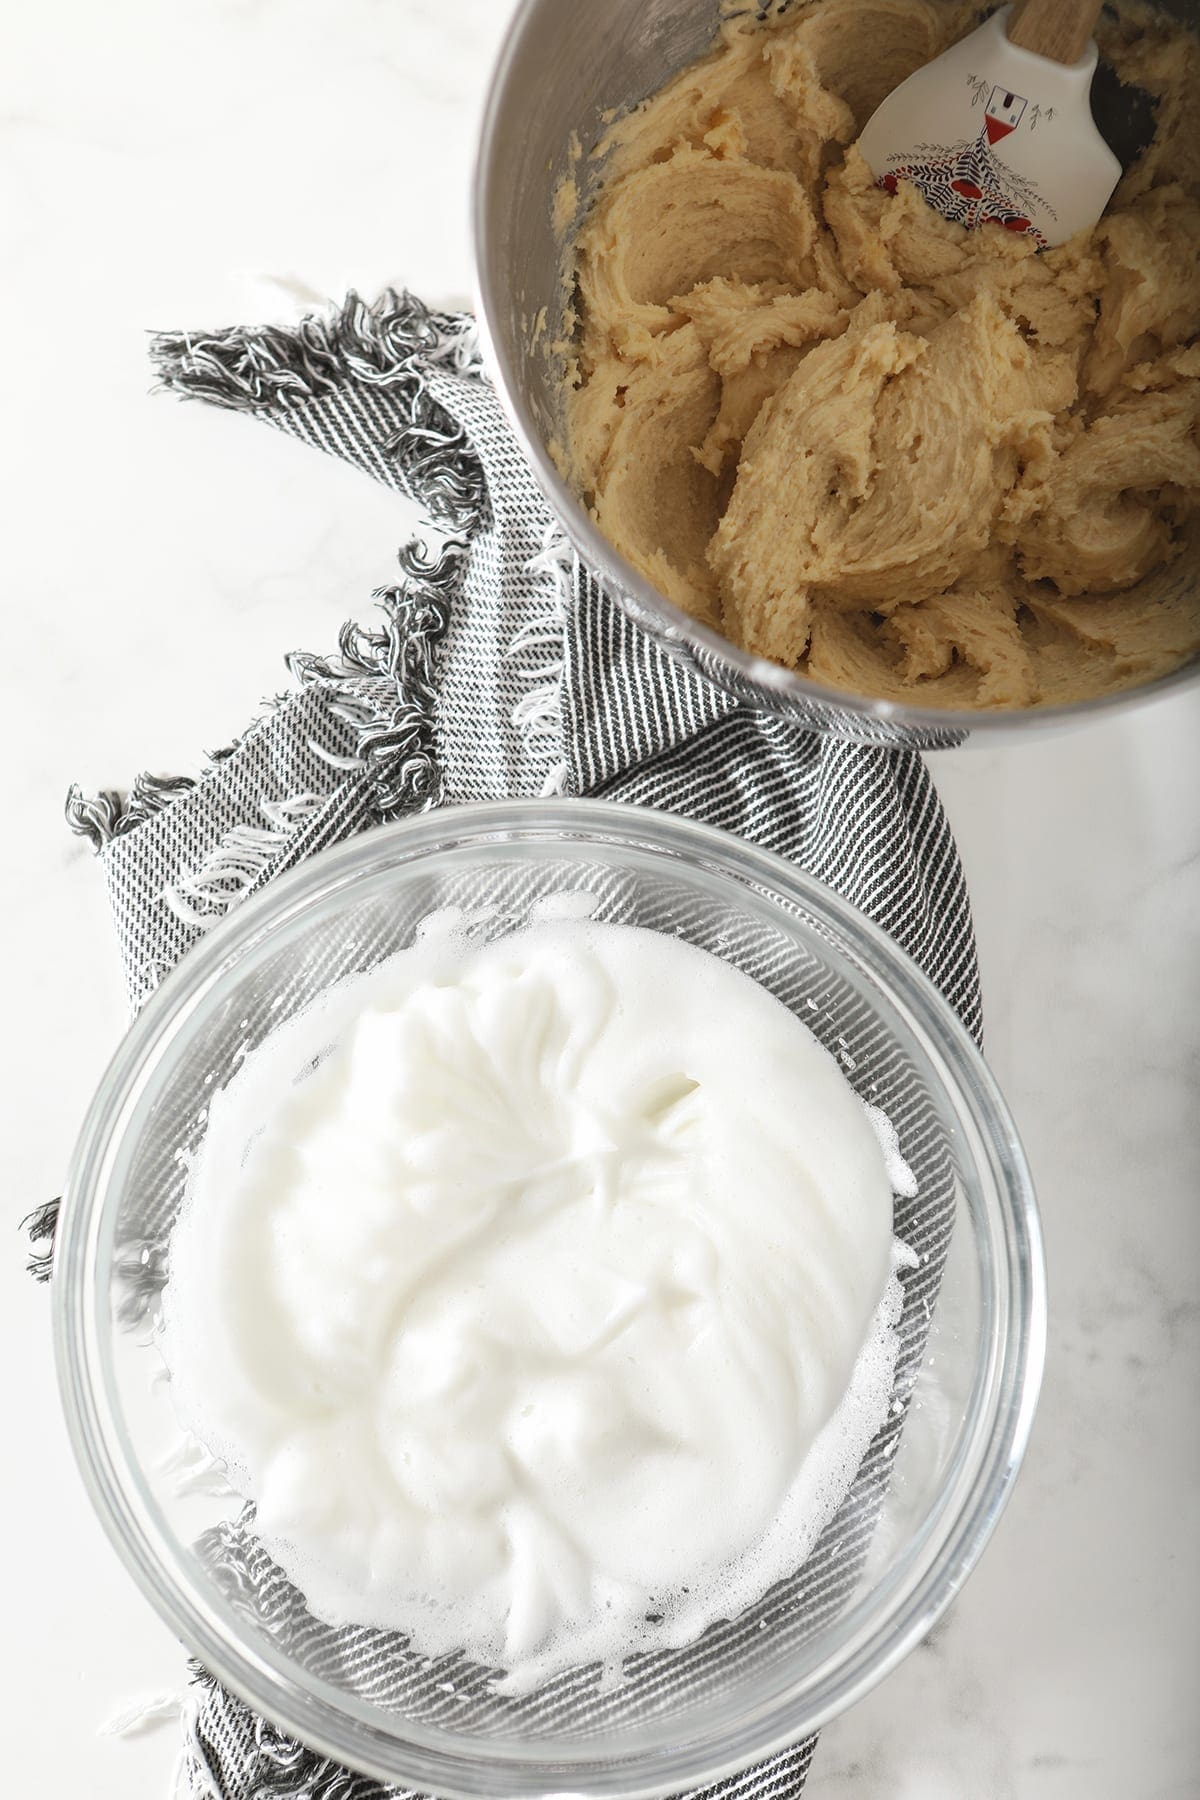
[[495, 666]]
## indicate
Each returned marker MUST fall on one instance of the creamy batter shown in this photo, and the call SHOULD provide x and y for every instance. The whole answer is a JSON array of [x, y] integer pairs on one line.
[[533, 1288], [904, 458]]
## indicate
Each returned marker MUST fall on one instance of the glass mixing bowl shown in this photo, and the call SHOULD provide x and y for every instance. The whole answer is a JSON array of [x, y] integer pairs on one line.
[[900, 1547]]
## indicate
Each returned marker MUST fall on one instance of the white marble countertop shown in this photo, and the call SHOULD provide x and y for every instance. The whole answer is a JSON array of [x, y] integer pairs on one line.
[[217, 160]]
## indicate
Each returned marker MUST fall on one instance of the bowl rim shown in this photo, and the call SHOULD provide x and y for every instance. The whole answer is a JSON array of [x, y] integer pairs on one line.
[[486, 1771], [938, 725]]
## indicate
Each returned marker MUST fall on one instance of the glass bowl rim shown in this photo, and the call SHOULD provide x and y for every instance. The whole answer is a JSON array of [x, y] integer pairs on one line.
[[483, 1771]]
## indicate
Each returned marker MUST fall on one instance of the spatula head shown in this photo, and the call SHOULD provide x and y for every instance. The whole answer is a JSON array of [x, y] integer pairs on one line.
[[991, 133]]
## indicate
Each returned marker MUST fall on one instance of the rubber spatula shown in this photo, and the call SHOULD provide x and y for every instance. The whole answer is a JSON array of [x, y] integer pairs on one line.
[[999, 129]]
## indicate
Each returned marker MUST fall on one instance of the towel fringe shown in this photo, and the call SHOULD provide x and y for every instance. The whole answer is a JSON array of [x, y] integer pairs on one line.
[[243, 856], [40, 1226], [281, 1769], [391, 343], [383, 681], [540, 650], [268, 369], [109, 814]]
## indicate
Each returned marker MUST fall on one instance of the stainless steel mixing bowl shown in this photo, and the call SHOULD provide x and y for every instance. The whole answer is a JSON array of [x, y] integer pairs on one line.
[[563, 68]]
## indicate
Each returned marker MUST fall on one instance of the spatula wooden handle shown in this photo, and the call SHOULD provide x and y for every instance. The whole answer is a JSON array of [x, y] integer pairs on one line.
[[1057, 29]]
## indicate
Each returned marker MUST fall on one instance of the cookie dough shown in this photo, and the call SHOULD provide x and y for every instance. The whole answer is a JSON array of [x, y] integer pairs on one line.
[[903, 458]]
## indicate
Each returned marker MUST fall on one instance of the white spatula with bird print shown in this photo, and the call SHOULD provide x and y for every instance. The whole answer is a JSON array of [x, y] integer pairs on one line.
[[999, 129]]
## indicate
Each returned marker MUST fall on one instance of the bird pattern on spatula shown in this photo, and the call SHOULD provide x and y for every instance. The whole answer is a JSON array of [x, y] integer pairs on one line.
[[968, 182]]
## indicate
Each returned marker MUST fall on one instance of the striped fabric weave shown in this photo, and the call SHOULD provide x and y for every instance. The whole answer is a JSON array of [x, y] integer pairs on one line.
[[496, 667]]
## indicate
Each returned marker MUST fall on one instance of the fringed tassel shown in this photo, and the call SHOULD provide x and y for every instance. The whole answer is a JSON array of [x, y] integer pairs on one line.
[[281, 1768], [41, 1225], [205, 894], [96, 817], [107, 815], [388, 344], [539, 652], [394, 718]]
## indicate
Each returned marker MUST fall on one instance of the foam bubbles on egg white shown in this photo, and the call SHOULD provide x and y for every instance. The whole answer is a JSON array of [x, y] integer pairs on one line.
[[533, 1287]]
